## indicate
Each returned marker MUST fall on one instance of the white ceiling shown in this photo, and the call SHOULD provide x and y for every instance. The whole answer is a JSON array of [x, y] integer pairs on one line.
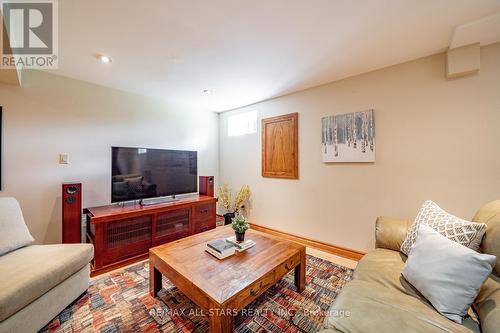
[[248, 51]]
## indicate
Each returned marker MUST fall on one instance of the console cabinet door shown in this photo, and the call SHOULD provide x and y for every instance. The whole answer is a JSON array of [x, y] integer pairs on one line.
[[203, 217], [171, 226], [126, 238]]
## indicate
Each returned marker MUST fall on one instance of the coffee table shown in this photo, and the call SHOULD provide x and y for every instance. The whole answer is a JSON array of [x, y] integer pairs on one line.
[[223, 287]]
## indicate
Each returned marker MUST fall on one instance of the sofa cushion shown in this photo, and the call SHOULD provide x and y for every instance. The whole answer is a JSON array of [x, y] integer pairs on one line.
[[370, 307], [28, 273], [13, 231], [383, 267], [487, 305], [461, 231]]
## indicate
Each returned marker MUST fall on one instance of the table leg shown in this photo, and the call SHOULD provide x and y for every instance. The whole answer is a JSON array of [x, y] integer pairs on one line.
[[154, 280], [300, 272], [221, 324]]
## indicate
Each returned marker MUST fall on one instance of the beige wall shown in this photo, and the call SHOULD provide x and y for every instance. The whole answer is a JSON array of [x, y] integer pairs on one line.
[[436, 139], [53, 114]]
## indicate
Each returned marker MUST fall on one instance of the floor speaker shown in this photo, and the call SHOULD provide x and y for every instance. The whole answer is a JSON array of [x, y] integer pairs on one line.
[[207, 185], [72, 213]]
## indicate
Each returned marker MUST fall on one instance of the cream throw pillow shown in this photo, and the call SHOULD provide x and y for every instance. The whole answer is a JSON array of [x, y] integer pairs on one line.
[[13, 231], [448, 274], [461, 231]]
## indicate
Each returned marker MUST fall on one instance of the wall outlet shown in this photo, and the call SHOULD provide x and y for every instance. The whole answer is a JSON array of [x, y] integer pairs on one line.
[[63, 159]]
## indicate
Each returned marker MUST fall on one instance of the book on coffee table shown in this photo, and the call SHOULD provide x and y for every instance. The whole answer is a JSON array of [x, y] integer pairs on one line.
[[240, 246], [220, 249]]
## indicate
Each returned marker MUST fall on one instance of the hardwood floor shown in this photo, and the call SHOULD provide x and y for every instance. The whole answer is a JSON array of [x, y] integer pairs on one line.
[[349, 263]]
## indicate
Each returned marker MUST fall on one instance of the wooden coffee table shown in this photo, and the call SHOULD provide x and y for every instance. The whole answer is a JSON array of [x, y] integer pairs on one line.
[[223, 287]]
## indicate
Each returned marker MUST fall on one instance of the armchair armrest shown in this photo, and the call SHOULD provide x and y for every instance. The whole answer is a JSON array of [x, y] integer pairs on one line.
[[390, 232]]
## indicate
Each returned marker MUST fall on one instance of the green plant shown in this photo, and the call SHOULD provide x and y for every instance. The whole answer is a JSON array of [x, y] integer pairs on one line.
[[240, 224]]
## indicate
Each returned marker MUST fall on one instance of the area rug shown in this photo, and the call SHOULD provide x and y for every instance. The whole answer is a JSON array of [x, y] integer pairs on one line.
[[120, 302]]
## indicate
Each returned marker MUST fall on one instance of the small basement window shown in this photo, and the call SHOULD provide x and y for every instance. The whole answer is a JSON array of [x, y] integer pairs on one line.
[[242, 123]]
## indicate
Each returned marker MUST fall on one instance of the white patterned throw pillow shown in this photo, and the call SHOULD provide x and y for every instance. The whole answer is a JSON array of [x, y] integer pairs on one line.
[[461, 231]]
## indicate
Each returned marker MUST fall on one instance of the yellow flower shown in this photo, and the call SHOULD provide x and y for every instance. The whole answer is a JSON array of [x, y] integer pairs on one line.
[[241, 197], [225, 197]]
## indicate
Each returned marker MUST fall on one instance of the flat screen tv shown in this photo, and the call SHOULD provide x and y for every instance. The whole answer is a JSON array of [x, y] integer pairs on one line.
[[141, 173]]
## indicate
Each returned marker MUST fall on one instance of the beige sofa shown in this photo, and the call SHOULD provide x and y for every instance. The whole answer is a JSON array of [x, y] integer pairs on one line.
[[379, 299], [37, 282]]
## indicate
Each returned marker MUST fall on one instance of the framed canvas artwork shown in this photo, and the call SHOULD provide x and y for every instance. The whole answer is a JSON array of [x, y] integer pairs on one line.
[[280, 147], [348, 137]]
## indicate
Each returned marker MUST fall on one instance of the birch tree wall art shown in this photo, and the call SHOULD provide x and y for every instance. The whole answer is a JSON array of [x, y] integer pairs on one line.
[[349, 137]]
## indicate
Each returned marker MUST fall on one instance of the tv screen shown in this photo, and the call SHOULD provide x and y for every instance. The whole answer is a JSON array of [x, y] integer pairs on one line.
[[140, 173]]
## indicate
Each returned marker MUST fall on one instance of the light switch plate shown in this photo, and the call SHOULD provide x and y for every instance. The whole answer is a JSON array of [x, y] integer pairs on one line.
[[63, 158]]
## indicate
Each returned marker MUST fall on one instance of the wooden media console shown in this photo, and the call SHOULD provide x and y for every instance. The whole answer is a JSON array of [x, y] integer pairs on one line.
[[123, 234]]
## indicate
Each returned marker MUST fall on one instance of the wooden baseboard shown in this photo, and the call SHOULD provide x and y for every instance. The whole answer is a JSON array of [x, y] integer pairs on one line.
[[337, 250]]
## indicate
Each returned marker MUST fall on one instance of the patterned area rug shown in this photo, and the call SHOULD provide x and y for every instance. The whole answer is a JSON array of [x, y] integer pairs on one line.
[[120, 302]]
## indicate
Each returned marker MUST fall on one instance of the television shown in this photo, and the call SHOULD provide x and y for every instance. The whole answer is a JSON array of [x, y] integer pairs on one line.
[[141, 173]]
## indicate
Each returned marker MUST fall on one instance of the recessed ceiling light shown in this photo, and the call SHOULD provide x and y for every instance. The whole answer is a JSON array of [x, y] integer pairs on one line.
[[207, 92], [104, 59]]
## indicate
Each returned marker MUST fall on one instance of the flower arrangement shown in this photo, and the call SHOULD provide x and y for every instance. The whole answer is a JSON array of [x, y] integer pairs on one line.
[[225, 198]]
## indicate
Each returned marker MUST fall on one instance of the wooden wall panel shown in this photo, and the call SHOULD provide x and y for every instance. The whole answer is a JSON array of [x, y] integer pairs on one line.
[[280, 151]]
